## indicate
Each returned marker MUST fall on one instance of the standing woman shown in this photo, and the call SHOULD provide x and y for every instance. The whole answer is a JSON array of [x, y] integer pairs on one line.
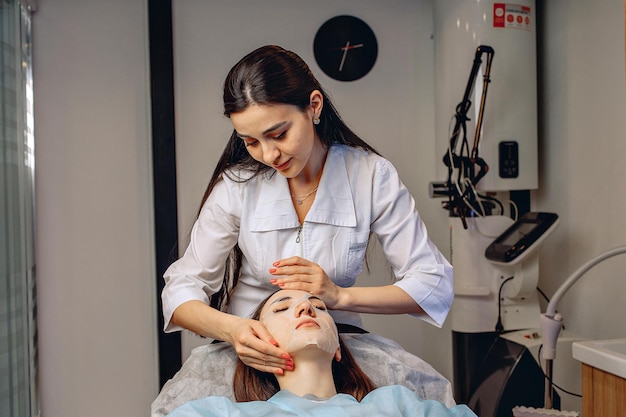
[[292, 204]]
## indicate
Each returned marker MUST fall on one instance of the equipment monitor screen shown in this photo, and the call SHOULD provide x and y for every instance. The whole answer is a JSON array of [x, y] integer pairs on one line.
[[522, 238]]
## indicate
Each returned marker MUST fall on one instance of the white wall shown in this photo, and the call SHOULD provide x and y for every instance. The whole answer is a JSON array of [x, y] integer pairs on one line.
[[94, 236], [95, 273], [583, 154]]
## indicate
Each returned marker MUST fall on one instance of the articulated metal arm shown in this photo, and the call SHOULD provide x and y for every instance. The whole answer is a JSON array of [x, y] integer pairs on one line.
[[469, 167]]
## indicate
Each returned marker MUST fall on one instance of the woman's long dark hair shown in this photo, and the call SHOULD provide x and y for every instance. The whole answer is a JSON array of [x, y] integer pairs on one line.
[[250, 384], [269, 75]]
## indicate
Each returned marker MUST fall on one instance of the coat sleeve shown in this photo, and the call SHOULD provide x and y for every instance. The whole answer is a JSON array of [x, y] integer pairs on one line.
[[199, 272], [420, 268]]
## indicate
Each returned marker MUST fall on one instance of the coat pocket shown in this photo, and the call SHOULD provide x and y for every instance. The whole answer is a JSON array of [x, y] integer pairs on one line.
[[357, 248]]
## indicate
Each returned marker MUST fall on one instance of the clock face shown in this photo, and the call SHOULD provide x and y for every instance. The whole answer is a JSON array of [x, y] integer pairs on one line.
[[345, 48]]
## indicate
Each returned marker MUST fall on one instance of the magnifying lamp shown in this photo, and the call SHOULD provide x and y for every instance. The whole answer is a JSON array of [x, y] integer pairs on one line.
[[552, 322]]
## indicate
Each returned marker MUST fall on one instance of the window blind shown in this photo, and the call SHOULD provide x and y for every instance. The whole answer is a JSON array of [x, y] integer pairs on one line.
[[18, 335]]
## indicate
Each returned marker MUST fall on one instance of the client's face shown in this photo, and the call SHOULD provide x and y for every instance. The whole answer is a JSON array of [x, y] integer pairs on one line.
[[298, 320]]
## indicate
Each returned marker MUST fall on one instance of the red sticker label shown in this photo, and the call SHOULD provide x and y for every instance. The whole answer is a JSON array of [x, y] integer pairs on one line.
[[513, 16]]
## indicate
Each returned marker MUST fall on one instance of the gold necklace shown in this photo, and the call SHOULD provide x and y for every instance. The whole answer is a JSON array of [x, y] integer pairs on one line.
[[300, 198]]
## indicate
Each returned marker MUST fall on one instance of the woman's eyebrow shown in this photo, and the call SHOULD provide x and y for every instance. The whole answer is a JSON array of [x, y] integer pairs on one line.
[[276, 126], [286, 298], [266, 131], [281, 299]]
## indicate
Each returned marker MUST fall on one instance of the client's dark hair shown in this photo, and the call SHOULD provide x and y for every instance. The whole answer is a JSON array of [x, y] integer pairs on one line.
[[250, 384]]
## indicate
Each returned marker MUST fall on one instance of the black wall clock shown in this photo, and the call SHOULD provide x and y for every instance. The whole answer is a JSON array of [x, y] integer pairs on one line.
[[345, 48]]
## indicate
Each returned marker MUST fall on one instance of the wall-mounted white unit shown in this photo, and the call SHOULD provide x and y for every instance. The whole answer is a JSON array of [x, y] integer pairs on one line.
[[508, 142]]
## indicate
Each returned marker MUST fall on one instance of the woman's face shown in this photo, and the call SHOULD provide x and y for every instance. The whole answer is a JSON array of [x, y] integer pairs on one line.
[[280, 135], [297, 319]]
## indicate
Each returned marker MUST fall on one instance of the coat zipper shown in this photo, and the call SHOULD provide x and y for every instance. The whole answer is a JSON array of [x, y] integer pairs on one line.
[[298, 238], [299, 241]]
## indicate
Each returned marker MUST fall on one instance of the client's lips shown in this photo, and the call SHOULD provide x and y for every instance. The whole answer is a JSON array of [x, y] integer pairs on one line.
[[307, 323]]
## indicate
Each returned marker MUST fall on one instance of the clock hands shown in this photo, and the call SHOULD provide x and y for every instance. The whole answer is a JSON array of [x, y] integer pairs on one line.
[[348, 46], [345, 50]]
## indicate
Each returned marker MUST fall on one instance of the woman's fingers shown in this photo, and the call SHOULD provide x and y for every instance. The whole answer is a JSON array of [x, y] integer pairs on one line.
[[297, 273], [269, 363], [256, 347], [266, 362], [294, 260], [297, 269]]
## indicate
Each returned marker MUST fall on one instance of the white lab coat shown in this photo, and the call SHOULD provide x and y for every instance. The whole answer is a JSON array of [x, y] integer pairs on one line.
[[359, 193]]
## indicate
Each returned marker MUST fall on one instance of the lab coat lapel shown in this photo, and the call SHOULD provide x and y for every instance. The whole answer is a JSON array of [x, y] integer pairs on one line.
[[333, 203], [274, 209]]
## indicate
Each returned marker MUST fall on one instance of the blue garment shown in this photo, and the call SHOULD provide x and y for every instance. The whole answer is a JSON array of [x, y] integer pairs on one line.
[[390, 401]]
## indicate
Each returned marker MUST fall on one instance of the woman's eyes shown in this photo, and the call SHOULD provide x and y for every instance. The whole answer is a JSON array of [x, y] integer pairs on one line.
[[248, 141], [274, 137], [280, 135], [321, 307]]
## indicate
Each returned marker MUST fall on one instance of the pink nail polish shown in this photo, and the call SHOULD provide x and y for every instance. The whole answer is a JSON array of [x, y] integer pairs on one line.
[[272, 270]]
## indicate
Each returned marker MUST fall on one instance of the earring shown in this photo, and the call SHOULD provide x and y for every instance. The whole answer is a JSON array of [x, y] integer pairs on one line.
[[316, 121]]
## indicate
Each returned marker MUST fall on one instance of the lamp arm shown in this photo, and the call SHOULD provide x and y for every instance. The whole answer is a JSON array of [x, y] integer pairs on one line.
[[551, 308], [551, 321]]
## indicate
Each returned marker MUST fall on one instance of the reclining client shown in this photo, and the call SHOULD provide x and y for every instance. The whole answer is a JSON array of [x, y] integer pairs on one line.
[[325, 381]]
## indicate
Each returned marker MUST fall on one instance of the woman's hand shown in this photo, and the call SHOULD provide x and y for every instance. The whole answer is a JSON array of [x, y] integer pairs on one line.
[[299, 274], [256, 348]]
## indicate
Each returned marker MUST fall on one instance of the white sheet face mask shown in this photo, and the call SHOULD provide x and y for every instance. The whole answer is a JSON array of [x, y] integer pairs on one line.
[[282, 318]]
